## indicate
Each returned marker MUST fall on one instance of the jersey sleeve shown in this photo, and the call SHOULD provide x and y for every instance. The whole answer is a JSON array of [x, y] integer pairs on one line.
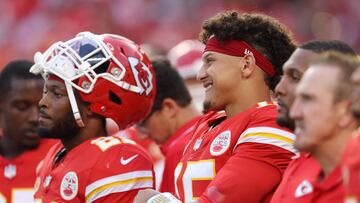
[[250, 175], [118, 175]]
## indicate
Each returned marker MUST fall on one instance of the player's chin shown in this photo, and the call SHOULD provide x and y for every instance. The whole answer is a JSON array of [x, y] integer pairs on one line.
[[31, 142], [45, 132], [302, 144], [282, 110]]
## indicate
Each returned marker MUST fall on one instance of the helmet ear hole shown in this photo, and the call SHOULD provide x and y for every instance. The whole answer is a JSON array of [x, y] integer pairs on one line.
[[114, 98], [122, 50]]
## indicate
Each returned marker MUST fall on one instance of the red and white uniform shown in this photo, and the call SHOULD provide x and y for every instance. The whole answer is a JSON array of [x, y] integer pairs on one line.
[[351, 171], [173, 150], [242, 159], [17, 176], [143, 140], [302, 182], [105, 169]]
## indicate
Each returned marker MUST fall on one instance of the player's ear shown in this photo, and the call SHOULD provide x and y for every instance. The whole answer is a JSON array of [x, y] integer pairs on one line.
[[346, 116], [169, 108], [248, 65]]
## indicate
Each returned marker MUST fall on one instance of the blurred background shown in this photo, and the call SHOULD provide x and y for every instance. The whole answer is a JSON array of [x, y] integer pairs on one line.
[[27, 26]]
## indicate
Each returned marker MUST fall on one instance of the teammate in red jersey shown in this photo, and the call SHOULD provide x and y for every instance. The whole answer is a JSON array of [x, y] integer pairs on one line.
[[21, 149], [324, 124], [351, 158], [304, 167], [87, 79], [172, 119], [239, 156]]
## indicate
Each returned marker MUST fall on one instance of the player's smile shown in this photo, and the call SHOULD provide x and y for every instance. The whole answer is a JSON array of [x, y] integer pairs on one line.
[[207, 85]]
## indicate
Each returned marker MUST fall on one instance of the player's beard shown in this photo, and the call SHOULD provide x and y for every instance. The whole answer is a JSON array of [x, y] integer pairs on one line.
[[62, 129], [206, 106], [286, 121]]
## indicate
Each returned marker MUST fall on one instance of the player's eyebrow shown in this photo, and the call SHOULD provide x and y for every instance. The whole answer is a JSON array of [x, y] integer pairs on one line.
[[207, 55]]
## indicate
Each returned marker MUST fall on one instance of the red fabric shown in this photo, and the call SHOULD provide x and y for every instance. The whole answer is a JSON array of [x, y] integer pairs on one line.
[[143, 140], [173, 150], [54, 77], [22, 184], [240, 48], [245, 171], [92, 161], [351, 170], [293, 187]]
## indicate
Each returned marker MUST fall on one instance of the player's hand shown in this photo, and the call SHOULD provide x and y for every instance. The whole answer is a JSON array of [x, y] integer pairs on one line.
[[144, 195]]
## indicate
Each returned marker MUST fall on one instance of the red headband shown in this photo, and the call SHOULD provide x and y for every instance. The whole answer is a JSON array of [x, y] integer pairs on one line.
[[54, 77], [239, 48]]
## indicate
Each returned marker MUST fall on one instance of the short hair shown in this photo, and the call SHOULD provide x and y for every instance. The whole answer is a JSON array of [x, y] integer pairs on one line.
[[267, 35], [17, 69], [346, 64], [169, 84], [320, 46]]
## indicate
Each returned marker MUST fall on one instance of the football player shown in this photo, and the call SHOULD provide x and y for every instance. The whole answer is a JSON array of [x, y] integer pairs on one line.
[[238, 156], [21, 149], [87, 79], [351, 158], [172, 119], [294, 69], [324, 123]]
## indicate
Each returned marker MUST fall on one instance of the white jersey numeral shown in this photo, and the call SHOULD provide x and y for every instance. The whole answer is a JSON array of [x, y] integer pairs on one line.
[[106, 142], [19, 195], [195, 171]]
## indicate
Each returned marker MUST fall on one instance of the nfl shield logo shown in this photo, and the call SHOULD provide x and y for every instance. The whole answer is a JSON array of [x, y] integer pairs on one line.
[[10, 171]]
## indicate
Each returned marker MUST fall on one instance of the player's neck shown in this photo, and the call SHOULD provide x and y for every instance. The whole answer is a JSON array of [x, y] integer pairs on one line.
[[245, 102], [10, 150], [186, 114], [90, 131], [329, 153], [248, 93]]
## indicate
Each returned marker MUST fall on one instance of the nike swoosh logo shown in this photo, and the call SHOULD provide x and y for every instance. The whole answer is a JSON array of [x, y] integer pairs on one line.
[[126, 161]]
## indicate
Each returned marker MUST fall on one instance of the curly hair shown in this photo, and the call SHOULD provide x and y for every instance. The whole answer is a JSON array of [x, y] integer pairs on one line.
[[267, 35]]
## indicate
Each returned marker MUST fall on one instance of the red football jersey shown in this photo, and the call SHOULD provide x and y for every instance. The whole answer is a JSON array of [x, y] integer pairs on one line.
[[17, 176], [105, 169], [301, 183], [173, 150], [143, 140], [241, 159], [351, 170]]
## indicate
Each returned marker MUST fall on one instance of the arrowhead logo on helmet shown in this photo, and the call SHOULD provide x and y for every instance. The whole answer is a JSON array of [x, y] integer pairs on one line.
[[110, 72], [142, 74]]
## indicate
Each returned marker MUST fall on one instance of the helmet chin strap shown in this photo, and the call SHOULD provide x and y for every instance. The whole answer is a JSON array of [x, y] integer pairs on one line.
[[74, 105]]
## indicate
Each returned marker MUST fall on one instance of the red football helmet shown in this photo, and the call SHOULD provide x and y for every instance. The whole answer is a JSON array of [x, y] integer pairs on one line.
[[186, 57], [110, 72]]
